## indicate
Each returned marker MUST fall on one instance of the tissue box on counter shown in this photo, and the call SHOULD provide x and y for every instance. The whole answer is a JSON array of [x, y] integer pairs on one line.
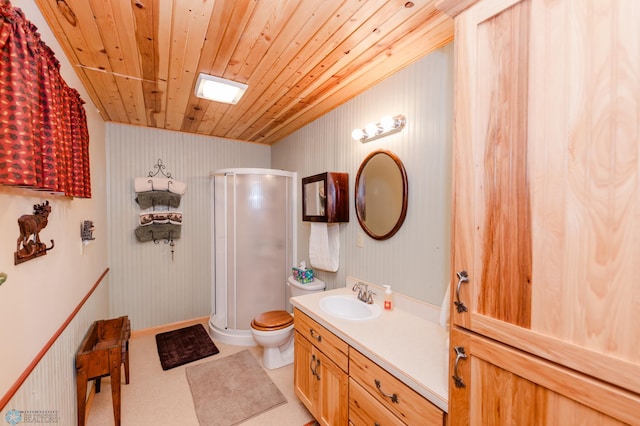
[[303, 275]]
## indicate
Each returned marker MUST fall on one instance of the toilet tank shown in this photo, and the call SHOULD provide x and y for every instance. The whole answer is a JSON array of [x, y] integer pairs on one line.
[[298, 289]]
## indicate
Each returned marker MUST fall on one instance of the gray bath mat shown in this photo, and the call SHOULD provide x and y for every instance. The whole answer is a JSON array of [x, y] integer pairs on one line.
[[230, 390]]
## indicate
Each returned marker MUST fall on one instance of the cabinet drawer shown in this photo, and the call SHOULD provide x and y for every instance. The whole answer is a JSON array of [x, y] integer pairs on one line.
[[409, 406], [366, 410], [333, 347]]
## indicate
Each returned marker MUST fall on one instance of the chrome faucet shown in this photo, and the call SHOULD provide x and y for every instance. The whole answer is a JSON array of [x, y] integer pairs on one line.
[[364, 293], [361, 288]]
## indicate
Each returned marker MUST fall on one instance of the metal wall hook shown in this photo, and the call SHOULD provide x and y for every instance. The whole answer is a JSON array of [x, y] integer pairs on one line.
[[171, 244]]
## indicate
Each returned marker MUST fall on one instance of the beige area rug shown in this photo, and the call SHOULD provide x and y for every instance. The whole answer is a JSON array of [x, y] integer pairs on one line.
[[232, 389]]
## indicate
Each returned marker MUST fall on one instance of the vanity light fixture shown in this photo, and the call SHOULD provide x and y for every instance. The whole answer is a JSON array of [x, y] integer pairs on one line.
[[219, 89], [386, 126]]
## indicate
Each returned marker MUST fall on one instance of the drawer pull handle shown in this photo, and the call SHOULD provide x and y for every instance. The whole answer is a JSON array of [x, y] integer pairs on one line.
[[318, 337], [394, 397], [460, 354], [463, 277], [314, 369]]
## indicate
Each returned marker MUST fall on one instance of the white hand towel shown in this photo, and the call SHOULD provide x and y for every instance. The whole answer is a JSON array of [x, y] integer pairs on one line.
[[142, 184], [146, 184], [160, 184], [150, 184], [177, 187], [324, 246]]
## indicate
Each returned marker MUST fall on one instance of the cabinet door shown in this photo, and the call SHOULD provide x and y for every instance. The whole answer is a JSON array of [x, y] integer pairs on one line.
[[547, 180], [500, 385], [304, 381], [321, 385], [333, 401]]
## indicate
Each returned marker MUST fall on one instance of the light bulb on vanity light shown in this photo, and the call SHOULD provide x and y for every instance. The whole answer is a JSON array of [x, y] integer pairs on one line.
[[357, 134], [372, 130], [388, 123], [386, 126]]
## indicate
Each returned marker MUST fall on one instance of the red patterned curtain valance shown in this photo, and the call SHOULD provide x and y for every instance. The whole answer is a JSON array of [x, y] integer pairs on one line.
[[44, 140]]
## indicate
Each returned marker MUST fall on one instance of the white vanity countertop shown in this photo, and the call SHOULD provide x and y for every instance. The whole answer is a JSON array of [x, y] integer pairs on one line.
[[413, 349]]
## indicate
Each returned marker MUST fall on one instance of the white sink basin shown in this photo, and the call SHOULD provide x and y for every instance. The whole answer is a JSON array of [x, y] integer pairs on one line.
[[349, 307]]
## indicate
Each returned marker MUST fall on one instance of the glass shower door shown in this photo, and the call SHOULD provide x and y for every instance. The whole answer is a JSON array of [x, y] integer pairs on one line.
[[257, 231]]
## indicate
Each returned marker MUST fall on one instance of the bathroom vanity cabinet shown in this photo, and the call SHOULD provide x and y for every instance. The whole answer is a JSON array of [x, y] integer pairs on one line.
[[321, 366], [339, 385]]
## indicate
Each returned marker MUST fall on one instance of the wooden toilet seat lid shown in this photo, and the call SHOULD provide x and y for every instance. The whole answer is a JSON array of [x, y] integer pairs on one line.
[[272, 320]]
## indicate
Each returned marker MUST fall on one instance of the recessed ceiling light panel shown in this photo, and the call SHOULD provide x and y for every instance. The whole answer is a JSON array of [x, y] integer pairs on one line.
[[219, 89]]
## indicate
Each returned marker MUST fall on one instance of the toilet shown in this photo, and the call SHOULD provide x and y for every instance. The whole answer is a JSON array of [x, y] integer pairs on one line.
[[273, 330]]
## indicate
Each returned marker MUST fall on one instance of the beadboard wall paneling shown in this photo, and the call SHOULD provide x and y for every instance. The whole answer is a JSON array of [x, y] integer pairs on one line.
[[146, 283], [415, 261], [51, 386]]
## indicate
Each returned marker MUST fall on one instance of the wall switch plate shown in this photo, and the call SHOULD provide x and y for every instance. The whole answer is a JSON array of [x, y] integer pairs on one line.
[[360, 240]]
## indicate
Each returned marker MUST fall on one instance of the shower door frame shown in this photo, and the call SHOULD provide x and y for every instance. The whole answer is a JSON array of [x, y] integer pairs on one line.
[[220, 324]]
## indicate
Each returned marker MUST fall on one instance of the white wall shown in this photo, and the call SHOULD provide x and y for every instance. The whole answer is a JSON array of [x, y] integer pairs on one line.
[[41, 294], [146, 283], [415, 261]]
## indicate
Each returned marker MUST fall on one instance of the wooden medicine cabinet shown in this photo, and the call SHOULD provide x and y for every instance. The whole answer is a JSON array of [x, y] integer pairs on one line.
[[325, 197]]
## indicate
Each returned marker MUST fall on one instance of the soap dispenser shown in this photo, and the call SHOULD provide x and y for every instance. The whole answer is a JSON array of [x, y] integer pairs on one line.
[[388, 298]]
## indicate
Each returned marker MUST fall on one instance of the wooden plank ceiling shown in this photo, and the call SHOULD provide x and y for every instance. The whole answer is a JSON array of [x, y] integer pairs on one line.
[[139, 59]]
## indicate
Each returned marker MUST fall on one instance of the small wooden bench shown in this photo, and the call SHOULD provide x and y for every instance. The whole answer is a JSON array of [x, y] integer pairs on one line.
[[104, 348]]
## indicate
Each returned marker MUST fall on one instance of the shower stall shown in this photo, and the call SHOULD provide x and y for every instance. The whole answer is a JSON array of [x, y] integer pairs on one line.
[[254, 248]]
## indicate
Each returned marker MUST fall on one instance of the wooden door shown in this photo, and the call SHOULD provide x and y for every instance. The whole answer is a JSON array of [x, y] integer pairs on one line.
[[506, 386], [547, 181]]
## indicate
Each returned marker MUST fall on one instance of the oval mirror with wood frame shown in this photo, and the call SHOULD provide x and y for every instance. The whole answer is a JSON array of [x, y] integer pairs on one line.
[[381, 194]]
